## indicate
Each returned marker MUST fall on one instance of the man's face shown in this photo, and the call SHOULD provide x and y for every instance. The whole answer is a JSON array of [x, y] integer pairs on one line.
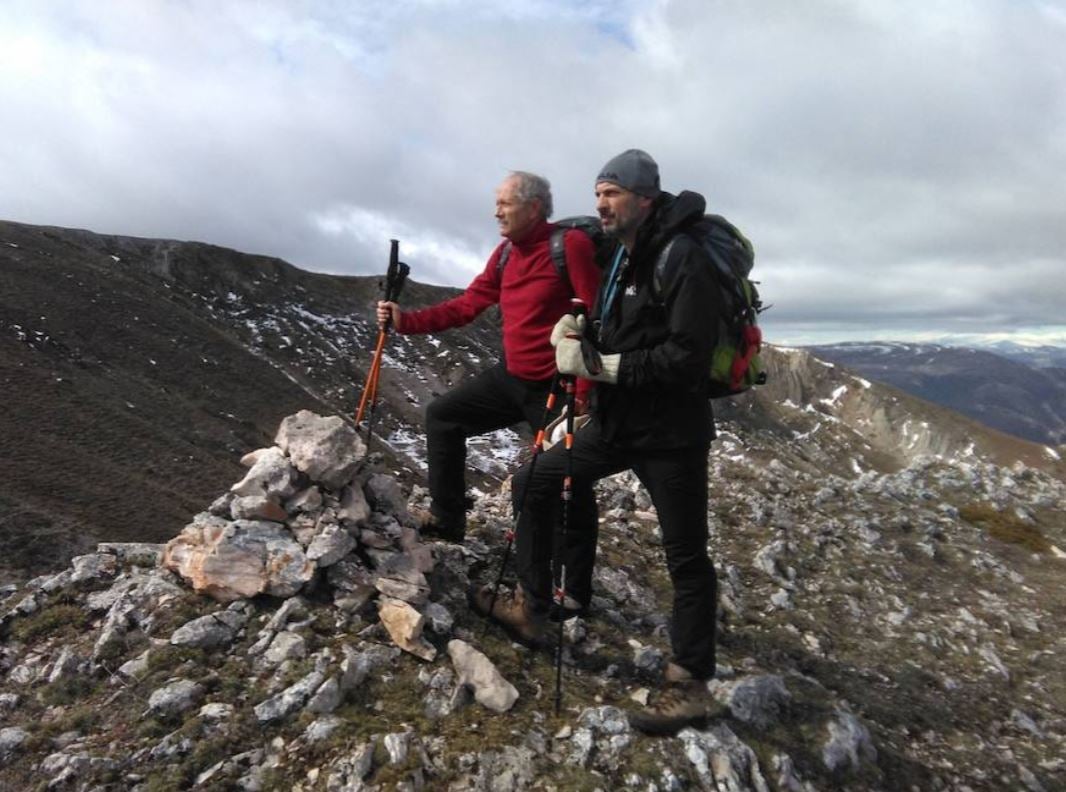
[[621, 211], [514, 216]]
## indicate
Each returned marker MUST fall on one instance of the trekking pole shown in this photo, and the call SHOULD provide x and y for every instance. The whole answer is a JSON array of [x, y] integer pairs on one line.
[[570, 389], [538, 446], [375, 364], [395, 277]]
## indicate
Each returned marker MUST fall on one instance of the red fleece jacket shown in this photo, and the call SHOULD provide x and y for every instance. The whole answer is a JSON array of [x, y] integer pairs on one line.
[[531, 296]]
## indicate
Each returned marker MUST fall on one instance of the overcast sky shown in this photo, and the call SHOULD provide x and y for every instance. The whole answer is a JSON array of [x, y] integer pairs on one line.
[[900, 166]]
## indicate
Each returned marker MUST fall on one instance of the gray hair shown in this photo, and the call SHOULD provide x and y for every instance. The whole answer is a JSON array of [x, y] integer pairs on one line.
[[530, 187]]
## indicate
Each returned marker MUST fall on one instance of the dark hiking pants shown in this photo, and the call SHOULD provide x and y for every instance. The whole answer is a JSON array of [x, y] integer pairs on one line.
[[677, 483], [493, 400]]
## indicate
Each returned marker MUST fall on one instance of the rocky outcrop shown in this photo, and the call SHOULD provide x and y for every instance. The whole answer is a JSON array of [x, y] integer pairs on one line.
[[877, 631], [312, 514]]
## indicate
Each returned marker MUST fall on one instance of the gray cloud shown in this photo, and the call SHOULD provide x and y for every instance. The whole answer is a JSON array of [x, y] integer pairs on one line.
[[898, 166]]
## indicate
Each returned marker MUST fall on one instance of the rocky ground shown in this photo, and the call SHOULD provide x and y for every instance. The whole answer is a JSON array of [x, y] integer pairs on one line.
[[878, 631]]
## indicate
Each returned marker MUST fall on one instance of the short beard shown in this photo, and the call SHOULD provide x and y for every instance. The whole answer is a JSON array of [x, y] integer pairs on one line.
[[622, 228]]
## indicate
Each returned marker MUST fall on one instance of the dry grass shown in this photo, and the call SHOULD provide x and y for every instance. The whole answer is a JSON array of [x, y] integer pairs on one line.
[[1005, 527]]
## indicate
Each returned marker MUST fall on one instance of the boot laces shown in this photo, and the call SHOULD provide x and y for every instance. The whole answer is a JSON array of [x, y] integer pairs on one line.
[[678, 698]]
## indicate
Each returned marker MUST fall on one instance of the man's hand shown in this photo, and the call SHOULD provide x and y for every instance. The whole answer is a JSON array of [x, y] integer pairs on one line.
[[569, 326], [569, 360], [388, 312]]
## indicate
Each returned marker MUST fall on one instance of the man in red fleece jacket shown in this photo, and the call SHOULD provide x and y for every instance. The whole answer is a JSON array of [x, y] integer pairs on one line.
[[532, 295]]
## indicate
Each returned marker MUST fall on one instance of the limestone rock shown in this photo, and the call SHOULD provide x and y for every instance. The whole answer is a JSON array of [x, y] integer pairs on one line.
[[404, 625], [235, 560], [139, 553], [68, 664], [438, 617], [328, 450], [11, 739], [289, 700], [722, 760], [271, 475], [93, 567], [349, 771], [257, 507], [478, 673], [217, 711], [327, 698], [213, 631], [306, 501], [400, 578], [323, 728], [757, 700], [176, 697], [353, 506], [849, 743], [285, 646], [330, 545], [385, 495]]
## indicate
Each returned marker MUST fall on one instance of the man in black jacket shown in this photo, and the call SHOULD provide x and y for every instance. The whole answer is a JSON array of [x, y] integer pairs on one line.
[[654, 328]]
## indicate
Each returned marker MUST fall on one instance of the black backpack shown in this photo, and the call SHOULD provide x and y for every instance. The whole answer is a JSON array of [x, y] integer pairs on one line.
[[589, 225], [735, 364]]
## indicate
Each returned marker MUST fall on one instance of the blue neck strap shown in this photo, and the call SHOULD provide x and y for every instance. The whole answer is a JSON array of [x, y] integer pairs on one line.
[[611, 289]]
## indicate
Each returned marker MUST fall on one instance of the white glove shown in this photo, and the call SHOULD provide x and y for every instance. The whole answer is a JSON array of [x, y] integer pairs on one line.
[[568, 325], [569, 360]]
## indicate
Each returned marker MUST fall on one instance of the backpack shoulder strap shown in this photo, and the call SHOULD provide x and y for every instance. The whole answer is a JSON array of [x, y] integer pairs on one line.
[[658, 276], [501, 262], [557, 248]]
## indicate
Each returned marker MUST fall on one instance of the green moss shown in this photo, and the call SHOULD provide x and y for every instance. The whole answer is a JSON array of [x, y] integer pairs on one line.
[[1005, 527], [179, 611], [167, 658], [164, 781], [68, 690], [56, 620]]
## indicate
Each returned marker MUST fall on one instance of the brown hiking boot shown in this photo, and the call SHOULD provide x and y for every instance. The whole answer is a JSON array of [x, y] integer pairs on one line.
[[512, 611], [673, 674], [430, 525], [678, 706]]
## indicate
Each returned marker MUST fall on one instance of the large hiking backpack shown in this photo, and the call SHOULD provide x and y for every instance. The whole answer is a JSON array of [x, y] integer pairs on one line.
[[589, 225], [735, 363]]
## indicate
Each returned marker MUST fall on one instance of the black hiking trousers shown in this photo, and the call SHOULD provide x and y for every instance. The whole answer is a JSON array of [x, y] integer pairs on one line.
[[677, 482], [494, 400]]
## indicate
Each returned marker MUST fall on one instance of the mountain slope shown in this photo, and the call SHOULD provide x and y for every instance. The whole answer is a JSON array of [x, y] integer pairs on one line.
[[1007, 393], [134, 373]]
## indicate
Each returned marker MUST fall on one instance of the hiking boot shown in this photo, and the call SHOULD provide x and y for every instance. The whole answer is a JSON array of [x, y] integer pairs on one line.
[[677, 707], [674, 674], [571, 608], [511, 610], [431, 525]]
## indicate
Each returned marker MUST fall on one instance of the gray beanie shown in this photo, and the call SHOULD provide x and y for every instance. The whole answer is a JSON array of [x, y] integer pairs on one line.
[[634, 170]]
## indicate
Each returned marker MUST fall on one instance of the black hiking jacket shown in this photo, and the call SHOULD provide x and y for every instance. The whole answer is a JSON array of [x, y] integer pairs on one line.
[[665, 334]]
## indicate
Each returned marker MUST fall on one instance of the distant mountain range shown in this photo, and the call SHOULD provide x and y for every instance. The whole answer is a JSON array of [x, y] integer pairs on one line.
[[1016, 389], [1043, 356]]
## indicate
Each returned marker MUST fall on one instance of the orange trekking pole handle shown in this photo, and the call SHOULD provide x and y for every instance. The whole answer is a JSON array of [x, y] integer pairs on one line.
[[394, 281], [371, 387]]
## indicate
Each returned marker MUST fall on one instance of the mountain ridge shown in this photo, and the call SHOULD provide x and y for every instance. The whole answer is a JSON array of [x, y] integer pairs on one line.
[[1007, 392], [204, 349]]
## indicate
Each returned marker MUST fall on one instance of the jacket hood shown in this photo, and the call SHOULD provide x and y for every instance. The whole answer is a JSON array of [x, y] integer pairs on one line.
[[671, 213]]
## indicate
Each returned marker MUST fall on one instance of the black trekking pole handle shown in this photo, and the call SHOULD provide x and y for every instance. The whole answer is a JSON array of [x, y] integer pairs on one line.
[[395, 276]]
